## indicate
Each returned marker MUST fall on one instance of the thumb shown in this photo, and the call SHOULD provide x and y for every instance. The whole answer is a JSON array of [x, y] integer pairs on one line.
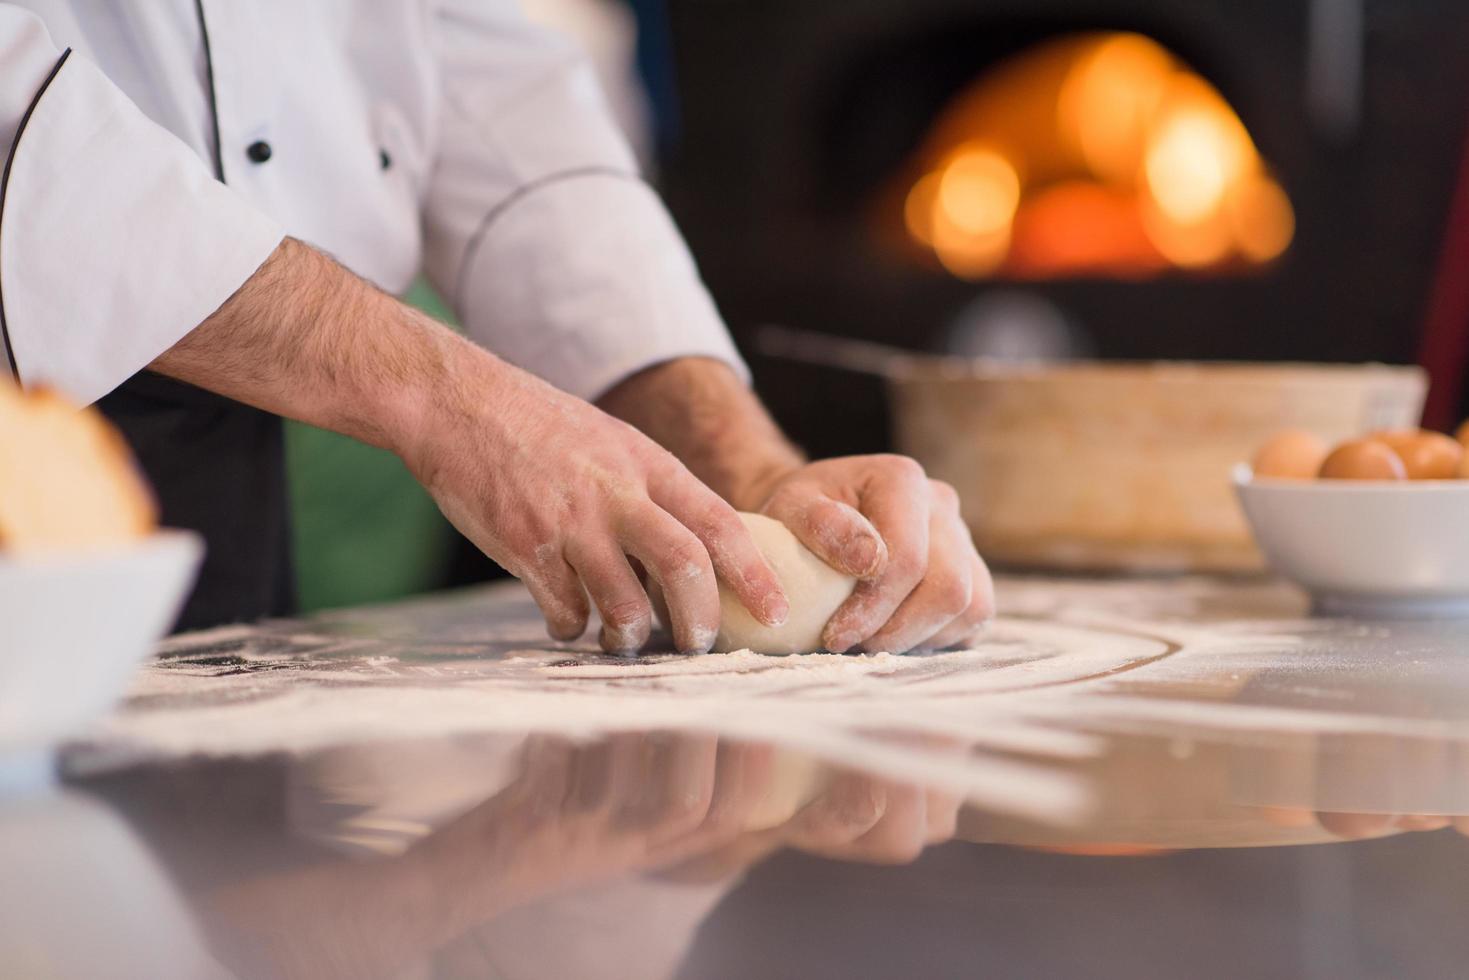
[[837, 533]]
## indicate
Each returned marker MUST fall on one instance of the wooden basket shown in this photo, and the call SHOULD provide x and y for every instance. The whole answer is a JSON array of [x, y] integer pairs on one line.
[[1118, 466]]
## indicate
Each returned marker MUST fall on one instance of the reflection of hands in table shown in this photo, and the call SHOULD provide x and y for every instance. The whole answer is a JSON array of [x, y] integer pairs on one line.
[[576, 815], [1396, 776], [581, 813], [865, 818], [1363, 826], [680, 803], [853, 816]]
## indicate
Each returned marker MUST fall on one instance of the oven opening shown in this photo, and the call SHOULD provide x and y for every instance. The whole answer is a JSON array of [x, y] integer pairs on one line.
[[1089, 155]]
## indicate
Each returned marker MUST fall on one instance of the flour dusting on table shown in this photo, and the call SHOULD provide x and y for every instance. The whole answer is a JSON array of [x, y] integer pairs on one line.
[[1073, 661]]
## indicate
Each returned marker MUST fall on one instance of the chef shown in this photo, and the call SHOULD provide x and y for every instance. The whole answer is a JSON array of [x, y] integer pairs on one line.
[[207, 211]]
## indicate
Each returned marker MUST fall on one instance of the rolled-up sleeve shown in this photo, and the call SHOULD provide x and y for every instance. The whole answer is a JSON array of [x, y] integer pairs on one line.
[[553, 251], [115, 238]]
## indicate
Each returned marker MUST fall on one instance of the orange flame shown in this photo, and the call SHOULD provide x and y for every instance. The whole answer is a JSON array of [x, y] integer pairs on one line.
[[1140, 165]]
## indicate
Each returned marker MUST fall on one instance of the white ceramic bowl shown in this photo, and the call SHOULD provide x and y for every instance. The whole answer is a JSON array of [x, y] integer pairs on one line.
[[1365, 547], [73, 628]]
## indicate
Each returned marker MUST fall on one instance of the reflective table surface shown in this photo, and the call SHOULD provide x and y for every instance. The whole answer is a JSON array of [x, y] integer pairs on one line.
[[1122, 778]]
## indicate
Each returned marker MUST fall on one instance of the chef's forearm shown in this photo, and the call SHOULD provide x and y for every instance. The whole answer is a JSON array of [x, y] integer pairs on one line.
[[307, 339], [701, 411]]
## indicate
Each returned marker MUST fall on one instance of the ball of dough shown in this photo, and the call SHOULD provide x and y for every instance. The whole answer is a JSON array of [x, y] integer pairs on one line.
[[813, 587]]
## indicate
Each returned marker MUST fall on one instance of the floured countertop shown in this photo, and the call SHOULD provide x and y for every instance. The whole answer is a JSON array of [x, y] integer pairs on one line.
[[1072, 664], [1111, 783]]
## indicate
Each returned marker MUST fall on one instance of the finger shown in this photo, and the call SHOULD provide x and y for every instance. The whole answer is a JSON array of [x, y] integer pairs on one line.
[[1355, 826], [897, 502], [681, 782], [546, 775], [630, 774], [850, 807], [1421, 822], [592, 776], [679, 561], [557, 591], [902, 833], [625, 757], [627, 615], [743, 772], [720, 845], [834, 531], [940, 598], [942, 811], [1294, 817], [970, 623], [732, 551], [742, 780]]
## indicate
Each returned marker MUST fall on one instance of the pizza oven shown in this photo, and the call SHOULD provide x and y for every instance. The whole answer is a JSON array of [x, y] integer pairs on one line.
[[1122, 179]]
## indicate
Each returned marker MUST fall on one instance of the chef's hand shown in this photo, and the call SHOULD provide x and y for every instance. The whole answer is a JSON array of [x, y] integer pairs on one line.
[[549, 486], [877, 517], [881, 519], [560, 494]]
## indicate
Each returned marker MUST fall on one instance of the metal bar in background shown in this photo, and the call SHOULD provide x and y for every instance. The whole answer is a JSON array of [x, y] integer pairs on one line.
[[1334, 67]]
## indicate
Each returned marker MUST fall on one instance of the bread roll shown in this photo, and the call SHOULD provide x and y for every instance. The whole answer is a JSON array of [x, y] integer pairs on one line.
[[67, 478]]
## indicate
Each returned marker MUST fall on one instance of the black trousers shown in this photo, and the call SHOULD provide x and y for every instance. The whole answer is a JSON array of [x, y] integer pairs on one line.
[[218, 468]]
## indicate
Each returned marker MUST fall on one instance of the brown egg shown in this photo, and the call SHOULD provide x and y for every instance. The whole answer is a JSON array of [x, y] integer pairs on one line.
[[1363, 459], [1462, 433], [1290, 455], [1428, 455], [1394, 439]]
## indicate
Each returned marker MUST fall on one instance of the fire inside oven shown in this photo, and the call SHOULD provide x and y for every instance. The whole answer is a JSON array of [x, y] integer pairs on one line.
[[1096, 154]]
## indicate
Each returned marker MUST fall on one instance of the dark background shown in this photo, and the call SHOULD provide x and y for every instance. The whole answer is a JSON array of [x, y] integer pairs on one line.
[[792, 114]]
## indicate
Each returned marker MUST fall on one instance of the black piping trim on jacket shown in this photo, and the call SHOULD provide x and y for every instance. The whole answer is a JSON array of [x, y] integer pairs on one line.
[[515, 196], [213, 99], [5, 186]]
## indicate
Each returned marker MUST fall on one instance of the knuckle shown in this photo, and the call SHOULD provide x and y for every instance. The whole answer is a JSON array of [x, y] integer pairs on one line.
[[860, 812], [720, 523], [684, 810], [904, 466], [944, 493], [553, 594], [788, 498], [723, 819], [627, 612], [686, 558], [950, 593], [906, 566]]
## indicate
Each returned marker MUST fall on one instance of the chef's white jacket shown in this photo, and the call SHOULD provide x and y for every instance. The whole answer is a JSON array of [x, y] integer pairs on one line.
[[160, 149]]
